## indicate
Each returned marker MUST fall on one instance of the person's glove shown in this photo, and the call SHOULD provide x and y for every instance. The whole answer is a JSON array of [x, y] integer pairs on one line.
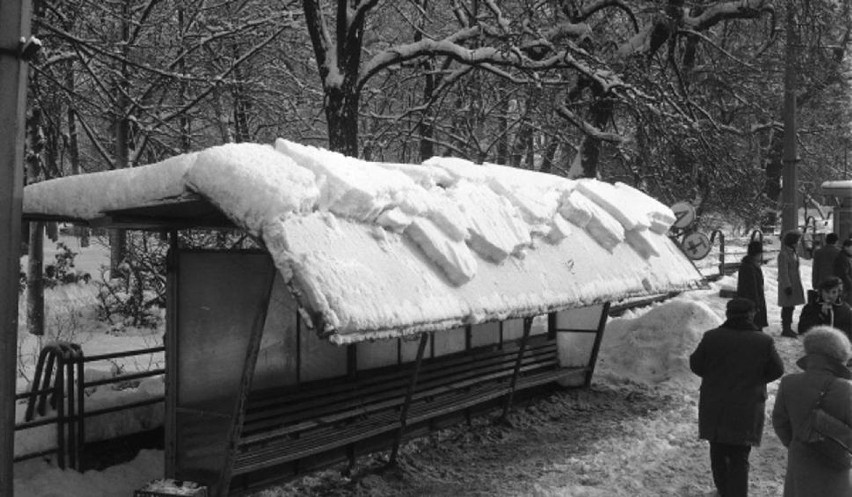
[[788, 291]]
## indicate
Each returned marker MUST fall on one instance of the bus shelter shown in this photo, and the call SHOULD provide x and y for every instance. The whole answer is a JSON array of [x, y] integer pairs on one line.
[[385, 300]]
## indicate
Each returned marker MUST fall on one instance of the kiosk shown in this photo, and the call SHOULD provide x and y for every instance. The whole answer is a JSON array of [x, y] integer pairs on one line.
[[841, 191]]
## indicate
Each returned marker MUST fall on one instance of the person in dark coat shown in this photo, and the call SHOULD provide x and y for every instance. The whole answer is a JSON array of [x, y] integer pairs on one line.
[[823, 263], [827, 353], [750, 282], [790, 291], [843, 269], [735, 362], [828, 309]]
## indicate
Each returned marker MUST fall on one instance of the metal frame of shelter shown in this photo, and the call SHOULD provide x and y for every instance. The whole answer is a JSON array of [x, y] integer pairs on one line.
[[15, 48], [216, 316]]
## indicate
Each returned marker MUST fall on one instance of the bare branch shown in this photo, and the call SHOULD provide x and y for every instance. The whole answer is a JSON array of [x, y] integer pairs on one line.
[[587, 128]]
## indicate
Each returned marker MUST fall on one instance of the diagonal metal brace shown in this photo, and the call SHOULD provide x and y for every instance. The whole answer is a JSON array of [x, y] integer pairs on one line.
[[507, 406], [403, 416]]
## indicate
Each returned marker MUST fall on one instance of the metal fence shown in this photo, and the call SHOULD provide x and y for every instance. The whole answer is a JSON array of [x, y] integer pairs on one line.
[[60, 383]]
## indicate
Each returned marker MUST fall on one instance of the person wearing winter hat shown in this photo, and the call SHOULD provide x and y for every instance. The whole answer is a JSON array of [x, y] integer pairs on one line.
[[827, 309], [843, 269], [827, 352], [735, 362], [823, 262], [750, 282], [790, 290]]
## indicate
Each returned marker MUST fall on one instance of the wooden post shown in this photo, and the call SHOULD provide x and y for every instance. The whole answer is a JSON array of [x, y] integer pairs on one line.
[[14, 25]]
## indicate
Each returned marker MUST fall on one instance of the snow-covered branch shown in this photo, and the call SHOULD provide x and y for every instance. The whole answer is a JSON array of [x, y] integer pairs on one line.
[[586, 127], [723, 11], [720, 49]]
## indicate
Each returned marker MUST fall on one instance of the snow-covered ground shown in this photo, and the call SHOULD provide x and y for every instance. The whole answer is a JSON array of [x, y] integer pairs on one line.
[[645, 351]]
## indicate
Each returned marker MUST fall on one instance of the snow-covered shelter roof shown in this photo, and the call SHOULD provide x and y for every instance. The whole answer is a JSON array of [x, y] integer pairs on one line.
[[378, 250]]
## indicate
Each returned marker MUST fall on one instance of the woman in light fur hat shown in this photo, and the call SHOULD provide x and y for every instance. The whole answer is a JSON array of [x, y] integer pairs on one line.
[[827, 351]]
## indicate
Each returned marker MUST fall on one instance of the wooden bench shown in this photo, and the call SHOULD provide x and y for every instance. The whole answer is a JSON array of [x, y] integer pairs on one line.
[[334, 420]]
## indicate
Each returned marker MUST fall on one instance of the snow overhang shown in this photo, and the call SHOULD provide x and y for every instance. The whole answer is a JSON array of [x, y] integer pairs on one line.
[[377, 250]]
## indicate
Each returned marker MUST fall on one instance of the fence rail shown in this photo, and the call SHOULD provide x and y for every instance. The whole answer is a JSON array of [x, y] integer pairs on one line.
[[59, 381]]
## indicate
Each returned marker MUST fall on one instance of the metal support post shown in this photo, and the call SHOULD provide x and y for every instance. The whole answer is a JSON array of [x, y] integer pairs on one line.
[[508, 405], [15, 46], [403, 415]]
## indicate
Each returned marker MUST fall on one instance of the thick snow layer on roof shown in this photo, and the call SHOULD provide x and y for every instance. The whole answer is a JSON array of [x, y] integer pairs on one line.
[[377, 250], [91, 195]]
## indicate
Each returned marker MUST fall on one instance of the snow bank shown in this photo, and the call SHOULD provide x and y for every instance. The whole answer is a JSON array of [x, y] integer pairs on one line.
[[37, 478], [654, 348]]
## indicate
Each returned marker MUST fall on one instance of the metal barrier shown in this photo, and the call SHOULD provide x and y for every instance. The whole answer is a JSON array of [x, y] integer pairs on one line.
[[60, 381], [724, 267]]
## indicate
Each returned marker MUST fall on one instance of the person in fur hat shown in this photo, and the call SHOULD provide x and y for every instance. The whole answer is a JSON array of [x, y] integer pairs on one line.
[[750, 282], [790, 290], [827, 353], [827, 309], [735, 362]]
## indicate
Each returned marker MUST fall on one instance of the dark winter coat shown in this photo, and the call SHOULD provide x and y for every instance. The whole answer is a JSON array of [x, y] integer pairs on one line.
[[823, 264], [750, 286], [735, 362], [843, 270], [839, 316], [789, 277], [797, 394]]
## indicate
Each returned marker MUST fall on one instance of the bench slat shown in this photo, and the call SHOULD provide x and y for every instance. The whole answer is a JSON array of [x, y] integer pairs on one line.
[[283, 450], [368, 408], [258, 417], [379, 376]]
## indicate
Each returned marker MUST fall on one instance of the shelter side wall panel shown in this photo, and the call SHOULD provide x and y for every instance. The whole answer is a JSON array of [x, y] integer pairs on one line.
[[485, 334], [277, 360], [221, 296], [575, 338], [319, 358], [513, 329], [583, 318], [449, 341], [377, 354], [408, 349]]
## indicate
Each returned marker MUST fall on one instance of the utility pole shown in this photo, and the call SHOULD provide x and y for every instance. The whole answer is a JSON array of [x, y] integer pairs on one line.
[[789, 177], [15, 47]]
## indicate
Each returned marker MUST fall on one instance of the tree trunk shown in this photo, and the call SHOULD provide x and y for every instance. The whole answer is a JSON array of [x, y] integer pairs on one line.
[[426, 124], [503, 128], [342, 115], [590, 149], [242, 105], [35, 280], [221, 117], [185, 122], [117, 237], [549, 155]]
